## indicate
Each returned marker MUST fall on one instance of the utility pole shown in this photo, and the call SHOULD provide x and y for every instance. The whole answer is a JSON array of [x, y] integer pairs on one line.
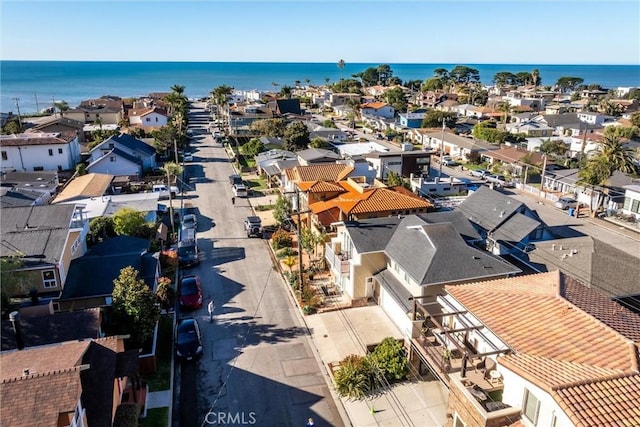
[[584, 140], [299, 234], [544, 167], [17, 100], [441, 149]]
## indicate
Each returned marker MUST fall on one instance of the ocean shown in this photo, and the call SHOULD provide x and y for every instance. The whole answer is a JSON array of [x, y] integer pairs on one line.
[[34, 85]]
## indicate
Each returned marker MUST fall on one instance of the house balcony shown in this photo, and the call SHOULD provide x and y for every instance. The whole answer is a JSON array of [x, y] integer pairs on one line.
[[339, 263]]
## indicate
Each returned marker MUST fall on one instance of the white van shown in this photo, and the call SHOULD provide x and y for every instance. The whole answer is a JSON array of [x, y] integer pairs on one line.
[[240, 190], [164, 191]]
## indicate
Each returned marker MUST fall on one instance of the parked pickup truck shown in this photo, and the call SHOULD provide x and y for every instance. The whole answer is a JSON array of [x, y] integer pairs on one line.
[[253, 226]]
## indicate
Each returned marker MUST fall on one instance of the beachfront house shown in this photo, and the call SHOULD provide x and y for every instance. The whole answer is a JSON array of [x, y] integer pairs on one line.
[[35, 151]]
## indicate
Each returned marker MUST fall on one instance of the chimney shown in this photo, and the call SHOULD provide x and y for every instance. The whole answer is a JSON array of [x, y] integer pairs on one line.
[[14, 318], [25, 372]]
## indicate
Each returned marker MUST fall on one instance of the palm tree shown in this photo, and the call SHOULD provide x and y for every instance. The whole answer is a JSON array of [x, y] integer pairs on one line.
[[275, 86], [297, 83], [179, 89], [307, 81], [535, 75], [286, 92], [341, 65], [505, 107], [610, 156], [326, 80]]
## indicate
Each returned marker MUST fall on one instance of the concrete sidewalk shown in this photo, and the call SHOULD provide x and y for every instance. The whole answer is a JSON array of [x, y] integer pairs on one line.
[[338, 334]]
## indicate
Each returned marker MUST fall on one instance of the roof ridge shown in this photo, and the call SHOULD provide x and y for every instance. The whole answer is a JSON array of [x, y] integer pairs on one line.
[[76, 368], [582, 382]]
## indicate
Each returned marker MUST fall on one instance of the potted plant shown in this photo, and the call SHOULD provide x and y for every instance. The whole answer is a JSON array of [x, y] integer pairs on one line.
[[446, 358]]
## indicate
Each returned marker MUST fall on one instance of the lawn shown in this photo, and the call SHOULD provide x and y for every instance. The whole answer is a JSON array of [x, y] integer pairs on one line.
[[158, 417], [161, 380]]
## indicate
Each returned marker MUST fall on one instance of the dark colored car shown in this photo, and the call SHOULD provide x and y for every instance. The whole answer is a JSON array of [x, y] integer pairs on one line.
[[190, 292], [188, 341]]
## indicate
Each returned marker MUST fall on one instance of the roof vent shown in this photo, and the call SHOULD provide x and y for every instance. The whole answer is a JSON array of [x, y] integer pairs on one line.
[[25, 371]]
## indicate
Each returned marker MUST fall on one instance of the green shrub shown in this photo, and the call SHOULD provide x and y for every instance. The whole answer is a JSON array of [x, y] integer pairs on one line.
[[127, 415], [286, 252], [355, 378], [281, 239], [391, 358]]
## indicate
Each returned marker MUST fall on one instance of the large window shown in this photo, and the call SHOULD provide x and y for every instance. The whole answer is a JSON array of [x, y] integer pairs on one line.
[[49, 279], [4, 155], [531, 407], [457, 422]]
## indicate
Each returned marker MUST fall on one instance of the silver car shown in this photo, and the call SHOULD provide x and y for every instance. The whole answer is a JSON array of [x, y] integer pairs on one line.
[[565, 203]]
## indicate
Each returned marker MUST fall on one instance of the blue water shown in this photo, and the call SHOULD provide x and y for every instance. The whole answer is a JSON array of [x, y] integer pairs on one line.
[[36, 83]]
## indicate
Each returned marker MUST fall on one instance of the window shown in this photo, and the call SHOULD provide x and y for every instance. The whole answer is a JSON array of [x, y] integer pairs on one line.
[[635, 206], [51, 151], [531, 407], [457, 422], [59, 150], [4, 155], [112, 158], [627, 200], [148, 119], [49, 279]]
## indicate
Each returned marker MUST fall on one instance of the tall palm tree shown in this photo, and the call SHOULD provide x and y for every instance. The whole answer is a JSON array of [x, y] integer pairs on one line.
[[307, 81], [341, 65], [535, 75], [179, 89], [505, 108]]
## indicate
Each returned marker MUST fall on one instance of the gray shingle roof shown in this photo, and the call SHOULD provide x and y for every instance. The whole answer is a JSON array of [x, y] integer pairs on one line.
[[515, 229], [372, 235], [460, 222], [489, 208], [435, 253]]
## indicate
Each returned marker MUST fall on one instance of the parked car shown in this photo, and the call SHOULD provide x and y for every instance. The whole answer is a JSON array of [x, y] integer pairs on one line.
[[190, 221], [190, 292], [499, 180], [188, 341], [235, 179], [479, 173], [253, 226], [566, 203], [448, 161], [240, 190], [188, 157]]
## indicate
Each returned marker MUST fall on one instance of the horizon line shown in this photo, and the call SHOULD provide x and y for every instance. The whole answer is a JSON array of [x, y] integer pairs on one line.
[[320, 62]]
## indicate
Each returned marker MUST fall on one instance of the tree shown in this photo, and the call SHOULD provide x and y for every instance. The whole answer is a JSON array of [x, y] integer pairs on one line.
[[163, 139], [610, 108], [554, 147], [296, 136], [171, 170], [129, 222], [433, 119], [505, 107], [463, 74], [433, 84], [165, 293], [504, 78], [286, 92], [395, 98], [341, 65], [179, 89], [535, 75], [329, 124], [134, 307], [635, 119], [282, 210], [13, 280], [524, 78], [274, 128], [487, 132], [318, 142], [384, 74], [221, 94], [100, 228], [307, 240], [569, 83], [394, 179], [253, 147]]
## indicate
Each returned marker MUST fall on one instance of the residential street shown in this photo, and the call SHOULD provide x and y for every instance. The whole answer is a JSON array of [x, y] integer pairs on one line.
[[258, 365]]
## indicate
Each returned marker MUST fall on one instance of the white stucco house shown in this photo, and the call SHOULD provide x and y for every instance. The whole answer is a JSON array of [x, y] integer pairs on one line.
[[377, 109], [632, 200], [36, 151], [148, 117]]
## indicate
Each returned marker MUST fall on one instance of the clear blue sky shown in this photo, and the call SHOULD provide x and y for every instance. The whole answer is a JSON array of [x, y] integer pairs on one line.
[[437, 31]]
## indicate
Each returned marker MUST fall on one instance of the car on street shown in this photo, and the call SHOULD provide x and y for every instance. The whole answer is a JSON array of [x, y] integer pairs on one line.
[[188, 341], [240, 190], [190, 221], [448, 161], [565, 203], [188, 157], [499, 180], [479, 173], [253, 226], [190, 292]]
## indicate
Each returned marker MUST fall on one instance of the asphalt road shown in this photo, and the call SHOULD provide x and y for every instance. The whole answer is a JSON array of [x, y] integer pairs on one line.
[[259, 366]]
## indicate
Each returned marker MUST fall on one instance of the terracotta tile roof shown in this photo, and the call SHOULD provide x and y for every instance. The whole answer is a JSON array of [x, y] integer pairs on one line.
[[89, 185], [375, 200], [323, 172], [320, 187], [374, 105], [38, 399], [529, 315], [608, 402], [587, 367]]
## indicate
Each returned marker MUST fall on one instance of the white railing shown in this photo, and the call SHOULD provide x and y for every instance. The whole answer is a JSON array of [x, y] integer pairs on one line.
[[339, 263]]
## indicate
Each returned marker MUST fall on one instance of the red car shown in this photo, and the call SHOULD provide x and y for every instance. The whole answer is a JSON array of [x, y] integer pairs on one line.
[[190, 292]]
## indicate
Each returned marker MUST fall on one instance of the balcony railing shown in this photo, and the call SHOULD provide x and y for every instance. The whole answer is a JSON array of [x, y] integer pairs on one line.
[[339, 263]]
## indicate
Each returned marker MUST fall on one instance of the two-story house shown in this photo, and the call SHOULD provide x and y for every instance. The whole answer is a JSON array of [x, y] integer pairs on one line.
[[122, 155], [74, 384], [148, 117], [506, 224], [45, 239], [541, 349], [106, 110], [377, 109], [394, 260], [35, 151]]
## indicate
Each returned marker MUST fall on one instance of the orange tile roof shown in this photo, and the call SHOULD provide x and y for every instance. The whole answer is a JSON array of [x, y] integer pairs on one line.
[[608, 402], [320, 187], [38, 399], [590, 369], [375, 200], [528, 314], [374, 105], [322, 172]]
